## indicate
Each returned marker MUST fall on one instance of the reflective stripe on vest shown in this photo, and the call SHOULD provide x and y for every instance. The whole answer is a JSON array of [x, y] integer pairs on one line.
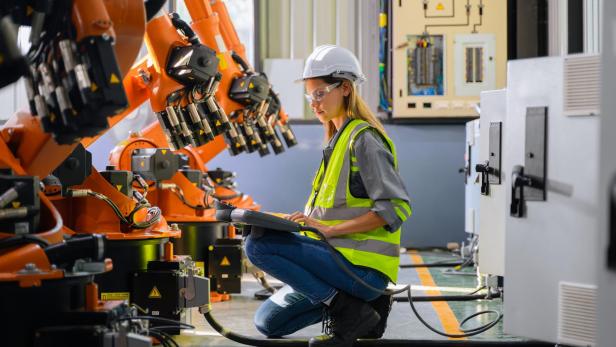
[[332, 203]]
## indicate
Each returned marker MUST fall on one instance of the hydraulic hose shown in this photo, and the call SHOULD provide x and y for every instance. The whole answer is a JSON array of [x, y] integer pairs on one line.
[[407, 289], [430, 298], [253, 341], [457, 263]]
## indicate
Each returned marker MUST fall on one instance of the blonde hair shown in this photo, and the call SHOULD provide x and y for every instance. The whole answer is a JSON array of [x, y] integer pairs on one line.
[[355, 108]]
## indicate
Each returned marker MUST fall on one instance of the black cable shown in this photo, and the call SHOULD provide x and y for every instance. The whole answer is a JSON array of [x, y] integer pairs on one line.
[[254, 341], [462, 297], [180, 194], [162, 339], [238, 59], [20, 240], [437, 264], [167, 336], [181, 325], [407, 288]]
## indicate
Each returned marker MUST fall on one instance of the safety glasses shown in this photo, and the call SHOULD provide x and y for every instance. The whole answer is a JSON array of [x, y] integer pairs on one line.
[[319, 94]]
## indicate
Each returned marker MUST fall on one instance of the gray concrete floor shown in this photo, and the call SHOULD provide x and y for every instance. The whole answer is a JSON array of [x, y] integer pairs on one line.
[[237, 314]]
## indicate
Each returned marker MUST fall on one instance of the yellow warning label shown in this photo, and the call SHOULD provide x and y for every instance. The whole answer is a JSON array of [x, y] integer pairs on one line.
[[200, 268], [16, 204], [115, 296], [164, 151], [201, 132], [218, 180], [93, 87], [154, 293], [194, 184], [119, 187], [225, 262], [222, 62], [382, 20], [142, 163], [440, 7], [242, 84], [113, 79], [217, 123], [251, 85], [238, 145], [253, 142]]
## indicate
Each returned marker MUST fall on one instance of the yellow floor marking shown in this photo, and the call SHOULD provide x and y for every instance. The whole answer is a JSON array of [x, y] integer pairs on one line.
[[445, 314]]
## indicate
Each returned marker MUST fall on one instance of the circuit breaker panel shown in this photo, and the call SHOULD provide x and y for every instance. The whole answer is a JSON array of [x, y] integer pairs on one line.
[[444, 54]]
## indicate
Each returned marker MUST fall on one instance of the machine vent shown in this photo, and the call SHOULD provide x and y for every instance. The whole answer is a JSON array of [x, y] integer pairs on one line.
[[582, 85], [577, 309]]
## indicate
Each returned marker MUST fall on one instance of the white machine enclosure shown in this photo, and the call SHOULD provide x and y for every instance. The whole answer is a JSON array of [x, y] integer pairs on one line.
[[472, 186], [551, 273], [494, 204], [607, 172]]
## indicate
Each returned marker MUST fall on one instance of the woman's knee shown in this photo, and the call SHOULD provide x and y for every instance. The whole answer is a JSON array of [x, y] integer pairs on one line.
[[265, 319], [253, 248]]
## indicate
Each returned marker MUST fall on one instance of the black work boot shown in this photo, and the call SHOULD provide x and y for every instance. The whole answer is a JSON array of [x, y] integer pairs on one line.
[[350, 318], [382, 306]]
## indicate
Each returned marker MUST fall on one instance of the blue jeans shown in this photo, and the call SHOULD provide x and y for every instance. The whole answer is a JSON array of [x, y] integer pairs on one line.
[[309, 269]]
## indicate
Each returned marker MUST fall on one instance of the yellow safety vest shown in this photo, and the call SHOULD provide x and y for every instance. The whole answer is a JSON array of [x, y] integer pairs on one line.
[[331, 203]]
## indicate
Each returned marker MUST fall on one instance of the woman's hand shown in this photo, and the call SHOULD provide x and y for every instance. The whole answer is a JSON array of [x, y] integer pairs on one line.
[[299, 217]]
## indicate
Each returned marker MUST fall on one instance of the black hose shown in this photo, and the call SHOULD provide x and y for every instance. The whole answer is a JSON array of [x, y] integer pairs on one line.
[[238, 59], [255, 341], [21, 240], [430, 298], [152, 7], [181, 25], [407, 289], [438, 264]]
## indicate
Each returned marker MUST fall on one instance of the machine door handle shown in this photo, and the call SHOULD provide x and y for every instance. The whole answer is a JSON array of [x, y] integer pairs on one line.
[[611, 250], [484, 170]]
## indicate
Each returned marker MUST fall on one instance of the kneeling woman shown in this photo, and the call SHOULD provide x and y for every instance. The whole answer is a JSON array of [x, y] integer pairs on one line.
[[358, 202]]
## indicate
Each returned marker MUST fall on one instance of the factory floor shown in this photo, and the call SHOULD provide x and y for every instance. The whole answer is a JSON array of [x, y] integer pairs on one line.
[[237, 314]]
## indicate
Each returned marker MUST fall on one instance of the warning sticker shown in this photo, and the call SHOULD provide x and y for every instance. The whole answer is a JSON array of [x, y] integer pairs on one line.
[[225, 262], [113, 79], [115, 296], [16, 204], [440, 7], [119, 187], [154, 293]]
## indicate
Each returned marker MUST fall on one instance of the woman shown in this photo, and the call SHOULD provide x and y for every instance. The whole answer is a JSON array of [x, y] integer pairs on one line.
[[358, 202]]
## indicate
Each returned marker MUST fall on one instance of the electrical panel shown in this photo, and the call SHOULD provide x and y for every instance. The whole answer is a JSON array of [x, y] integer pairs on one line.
[[493, 199], [551, 162], [472, 186], [444, 54]]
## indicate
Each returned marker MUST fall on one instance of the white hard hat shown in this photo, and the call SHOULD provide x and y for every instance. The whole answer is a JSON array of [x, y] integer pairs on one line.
[[334, 61]]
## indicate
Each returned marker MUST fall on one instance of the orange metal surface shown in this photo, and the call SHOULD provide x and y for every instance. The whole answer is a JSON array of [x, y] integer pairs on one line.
[[168, 254], [90, 215], [206, 23], [90, 18], [227, 29], [161, 36], [128, 17], [137, 83], [92, 301], [232, 41], [168, 201]]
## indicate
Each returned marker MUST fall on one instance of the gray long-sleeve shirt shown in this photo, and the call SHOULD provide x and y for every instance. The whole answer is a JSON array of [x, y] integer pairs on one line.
[[378, 178]]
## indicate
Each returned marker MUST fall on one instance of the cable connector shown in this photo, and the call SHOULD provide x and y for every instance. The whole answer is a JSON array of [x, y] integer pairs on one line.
[[168, 186], [78, 193]]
